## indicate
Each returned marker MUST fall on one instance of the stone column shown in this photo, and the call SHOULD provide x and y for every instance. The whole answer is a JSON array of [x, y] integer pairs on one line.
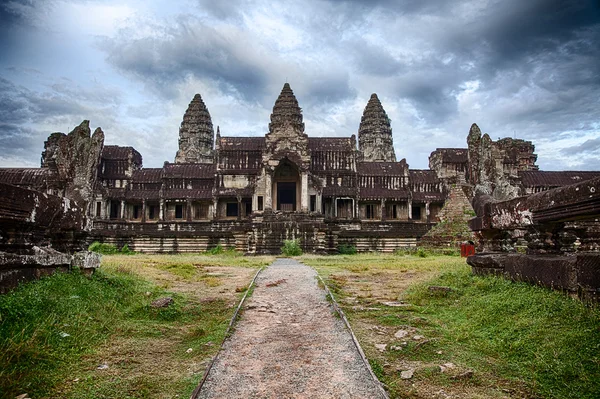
[[304, 192], [427, 211], [239, 203], [143, 211], [215, 210], [409, 209], [106, 209], [123, 209], [161, 211], [255, 202], [383, 210], [268, 191], [334, 206], [319, 203], [188, 210]]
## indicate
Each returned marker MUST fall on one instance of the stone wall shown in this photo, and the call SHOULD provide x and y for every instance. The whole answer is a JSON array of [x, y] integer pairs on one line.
[[550, 238], [38, 235], [262, 234]]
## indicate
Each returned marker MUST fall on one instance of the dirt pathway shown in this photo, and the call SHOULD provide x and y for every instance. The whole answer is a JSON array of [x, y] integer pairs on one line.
[[289, 344]]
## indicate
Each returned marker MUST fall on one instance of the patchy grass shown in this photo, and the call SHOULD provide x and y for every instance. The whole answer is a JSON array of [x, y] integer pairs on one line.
[[56, 332], [492, 337]]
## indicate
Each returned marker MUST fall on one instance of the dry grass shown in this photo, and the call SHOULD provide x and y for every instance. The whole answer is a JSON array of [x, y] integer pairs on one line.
[[362, 284], [166, 359]]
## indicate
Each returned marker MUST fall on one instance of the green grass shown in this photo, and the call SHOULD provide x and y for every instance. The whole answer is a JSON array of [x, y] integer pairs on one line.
[[528, 340], [59, 328], [515, 331], [35, 318]]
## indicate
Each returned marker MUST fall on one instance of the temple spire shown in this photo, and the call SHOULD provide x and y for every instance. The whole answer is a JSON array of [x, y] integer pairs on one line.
[[196, 134], [375, 133], [286, 110]]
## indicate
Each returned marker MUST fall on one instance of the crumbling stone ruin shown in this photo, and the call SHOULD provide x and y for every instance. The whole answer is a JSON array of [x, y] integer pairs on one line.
[[550, 238], [251, 193], [44, 229]]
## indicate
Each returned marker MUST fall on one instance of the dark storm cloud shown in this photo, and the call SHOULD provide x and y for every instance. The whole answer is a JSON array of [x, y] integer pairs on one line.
[[190, 48], [374, 60], [62, 106], [16, 12], [328, 89], [223, 10], [589, 147]]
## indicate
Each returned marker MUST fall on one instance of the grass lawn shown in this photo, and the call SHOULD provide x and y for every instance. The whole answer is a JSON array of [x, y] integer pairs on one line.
[[55, 333], [492, 338]]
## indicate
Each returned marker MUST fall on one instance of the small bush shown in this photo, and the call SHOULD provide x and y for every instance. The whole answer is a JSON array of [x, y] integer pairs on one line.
[[102, 248], [421, 253], [347, 249], [291, 248], [126, 251], [216, 250]]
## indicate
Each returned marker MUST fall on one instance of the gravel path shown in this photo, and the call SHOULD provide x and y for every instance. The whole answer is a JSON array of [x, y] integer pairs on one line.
[[289, 344]]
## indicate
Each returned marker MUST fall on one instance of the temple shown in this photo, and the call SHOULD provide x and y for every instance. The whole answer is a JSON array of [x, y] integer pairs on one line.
[[251, 193]]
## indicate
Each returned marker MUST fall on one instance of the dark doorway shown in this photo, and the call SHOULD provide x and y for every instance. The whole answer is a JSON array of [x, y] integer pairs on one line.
[[286, 196], [416, 213], [115, 209]]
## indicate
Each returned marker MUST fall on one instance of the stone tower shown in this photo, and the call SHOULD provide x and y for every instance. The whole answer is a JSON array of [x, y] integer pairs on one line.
[[375, 133], [196, 134]]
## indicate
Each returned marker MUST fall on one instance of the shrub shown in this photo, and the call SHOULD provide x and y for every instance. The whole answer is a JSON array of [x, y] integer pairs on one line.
[[216, 250], [347, 249], [126, 251], [421, 253], [102, 248], [291, 248]]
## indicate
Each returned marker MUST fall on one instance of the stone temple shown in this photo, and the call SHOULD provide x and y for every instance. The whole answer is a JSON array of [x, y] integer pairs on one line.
[[252, 193]]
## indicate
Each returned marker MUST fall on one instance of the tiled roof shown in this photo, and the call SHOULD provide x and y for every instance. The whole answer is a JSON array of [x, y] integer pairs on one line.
[[189, 170], [330, 191], [242, 143], [35, 177], [382, 193], [422, 176], [330, 144], [183, 193], [381, 168], [540, 178], [428, 196], [143, 194], [147, 175], [119, 152]]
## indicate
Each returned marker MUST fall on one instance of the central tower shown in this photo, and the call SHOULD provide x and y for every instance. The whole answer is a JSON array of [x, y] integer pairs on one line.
[[196, 134], [375, 133], [286, 159]]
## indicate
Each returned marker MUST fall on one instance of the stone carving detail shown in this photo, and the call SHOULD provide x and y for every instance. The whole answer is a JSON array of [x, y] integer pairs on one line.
[[196, 134], [494, 165], [73, 159], [286, 137], [375, 133]]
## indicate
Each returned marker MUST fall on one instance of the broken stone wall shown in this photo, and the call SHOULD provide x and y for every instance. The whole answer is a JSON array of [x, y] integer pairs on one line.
[[550, 238], [494, 165], [38, 234]]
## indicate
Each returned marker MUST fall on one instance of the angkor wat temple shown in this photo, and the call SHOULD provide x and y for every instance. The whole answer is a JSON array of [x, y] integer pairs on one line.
[[251, 193]]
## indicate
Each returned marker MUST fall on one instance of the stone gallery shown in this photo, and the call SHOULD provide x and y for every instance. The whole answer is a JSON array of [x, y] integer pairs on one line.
[[251, 193]]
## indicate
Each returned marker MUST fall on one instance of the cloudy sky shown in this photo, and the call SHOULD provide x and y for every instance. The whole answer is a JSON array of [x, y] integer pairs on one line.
[[525, 69]]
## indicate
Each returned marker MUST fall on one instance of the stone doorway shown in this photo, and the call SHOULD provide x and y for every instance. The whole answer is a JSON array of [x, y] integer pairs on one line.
[[286, 196], [286, 187]]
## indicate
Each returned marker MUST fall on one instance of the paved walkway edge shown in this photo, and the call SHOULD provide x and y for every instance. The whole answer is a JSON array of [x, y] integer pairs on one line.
[[356, 343], [227, 334]]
